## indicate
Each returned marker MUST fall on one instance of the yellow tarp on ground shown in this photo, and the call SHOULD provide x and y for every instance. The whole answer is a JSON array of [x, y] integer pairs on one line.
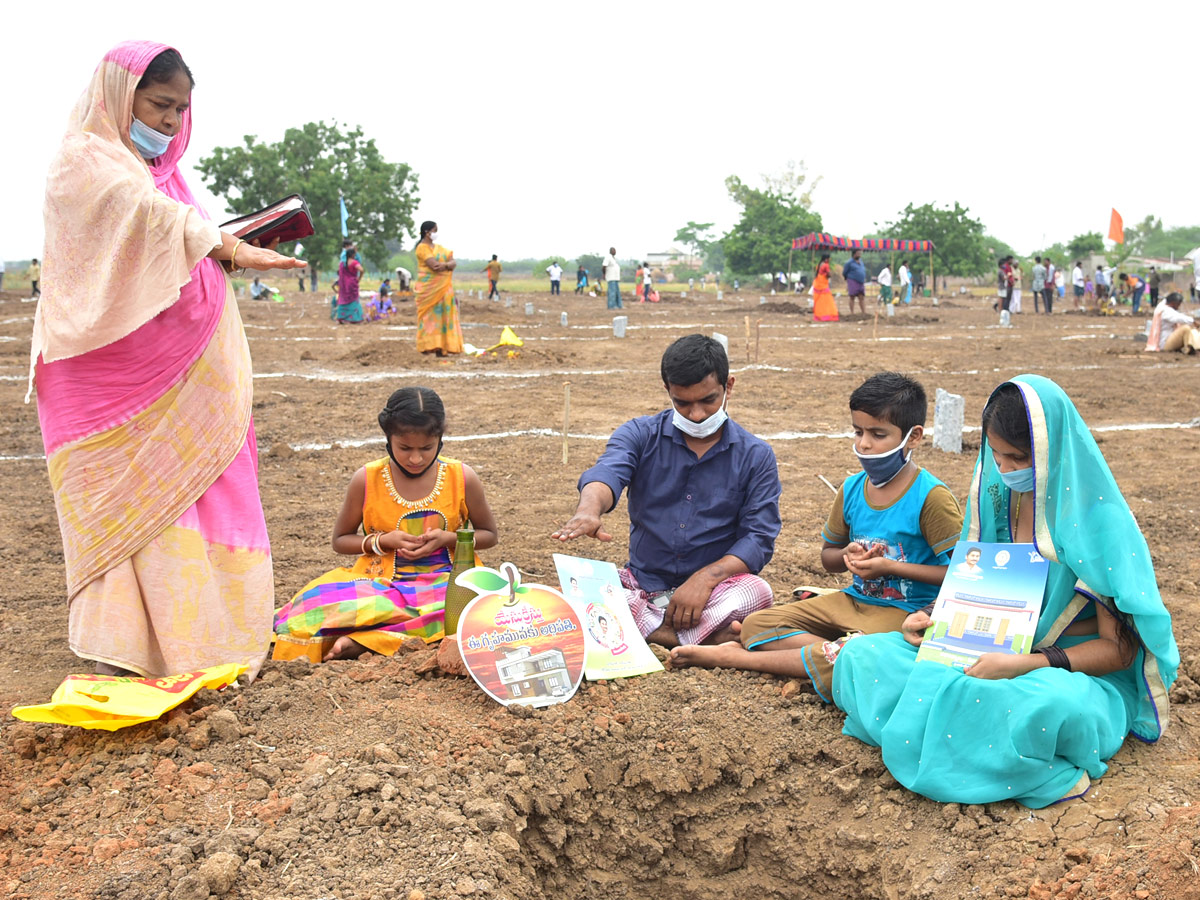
[[109, 702]]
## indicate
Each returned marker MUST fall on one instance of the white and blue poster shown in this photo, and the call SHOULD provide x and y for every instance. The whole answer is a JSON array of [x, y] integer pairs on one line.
[[989, 602]]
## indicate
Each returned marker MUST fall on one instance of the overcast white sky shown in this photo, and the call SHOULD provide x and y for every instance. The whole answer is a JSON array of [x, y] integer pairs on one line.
[[560, 128]]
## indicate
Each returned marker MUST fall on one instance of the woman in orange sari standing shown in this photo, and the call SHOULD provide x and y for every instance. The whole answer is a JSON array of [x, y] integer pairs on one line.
[[438, 329], [824, 306]]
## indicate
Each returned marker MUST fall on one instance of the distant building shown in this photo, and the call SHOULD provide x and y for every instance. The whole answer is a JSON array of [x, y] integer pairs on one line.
[[670, 259]]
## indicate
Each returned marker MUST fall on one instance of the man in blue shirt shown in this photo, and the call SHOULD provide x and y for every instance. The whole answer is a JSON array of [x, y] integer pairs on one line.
[[703, 504], [855, 274]]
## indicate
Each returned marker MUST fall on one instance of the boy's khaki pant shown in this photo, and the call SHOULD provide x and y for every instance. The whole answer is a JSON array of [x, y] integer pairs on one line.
[[828, 616]]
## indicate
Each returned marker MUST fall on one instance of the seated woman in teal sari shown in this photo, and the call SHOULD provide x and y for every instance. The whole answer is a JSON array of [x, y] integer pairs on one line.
[[1036, 727]]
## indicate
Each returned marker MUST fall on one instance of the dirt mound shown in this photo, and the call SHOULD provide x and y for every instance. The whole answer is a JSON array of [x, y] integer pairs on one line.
[[786, 308], [383, 778]]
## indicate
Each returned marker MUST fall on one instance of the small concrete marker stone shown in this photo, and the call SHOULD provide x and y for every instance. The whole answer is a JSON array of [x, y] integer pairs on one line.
[[948, 421]]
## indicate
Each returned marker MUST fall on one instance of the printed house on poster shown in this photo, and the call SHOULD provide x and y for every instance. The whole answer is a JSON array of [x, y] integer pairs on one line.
[[991, 626], [527, 674], [523, 644]]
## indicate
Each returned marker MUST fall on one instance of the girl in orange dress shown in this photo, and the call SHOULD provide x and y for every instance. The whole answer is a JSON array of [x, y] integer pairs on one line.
[[409, 504], [824, 306]]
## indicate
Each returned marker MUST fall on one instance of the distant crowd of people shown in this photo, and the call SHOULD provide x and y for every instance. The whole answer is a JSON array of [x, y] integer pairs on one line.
[[1103, 290]]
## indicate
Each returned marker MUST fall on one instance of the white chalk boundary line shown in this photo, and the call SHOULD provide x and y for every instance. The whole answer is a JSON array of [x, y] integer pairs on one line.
[[352, 443]]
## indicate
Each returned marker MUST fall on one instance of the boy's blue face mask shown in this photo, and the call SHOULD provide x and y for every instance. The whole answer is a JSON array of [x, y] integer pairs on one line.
[[883, 467], [1019, 480], [150, 143]]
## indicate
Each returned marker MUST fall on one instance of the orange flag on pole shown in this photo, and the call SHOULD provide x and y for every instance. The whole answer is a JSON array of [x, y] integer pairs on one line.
[[1116, 228]]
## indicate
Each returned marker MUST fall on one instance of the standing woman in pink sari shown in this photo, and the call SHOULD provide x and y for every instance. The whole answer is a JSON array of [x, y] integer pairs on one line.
[[143, 381], [349, 307]]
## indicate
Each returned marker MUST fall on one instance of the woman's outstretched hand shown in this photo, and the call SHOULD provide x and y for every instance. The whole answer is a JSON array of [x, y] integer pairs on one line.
[[251, 256]]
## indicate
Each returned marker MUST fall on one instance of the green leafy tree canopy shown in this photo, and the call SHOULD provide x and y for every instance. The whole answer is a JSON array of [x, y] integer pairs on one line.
[[771, 217], [960, 245], [591, 262], [696, 236], [1150, 238], [317, 161], [1084, 245]]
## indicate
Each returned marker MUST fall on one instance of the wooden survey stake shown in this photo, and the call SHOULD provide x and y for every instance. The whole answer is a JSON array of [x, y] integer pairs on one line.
[[566, 416]]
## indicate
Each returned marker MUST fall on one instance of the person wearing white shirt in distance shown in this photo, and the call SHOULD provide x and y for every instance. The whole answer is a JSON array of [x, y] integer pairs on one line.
[[1077, 284], [905, 283], [554, 270], [1171, 330], [885, 284], [612, 278]]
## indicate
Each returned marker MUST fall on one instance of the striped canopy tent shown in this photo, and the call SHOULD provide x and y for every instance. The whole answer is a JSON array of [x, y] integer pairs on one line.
[[820, 240]]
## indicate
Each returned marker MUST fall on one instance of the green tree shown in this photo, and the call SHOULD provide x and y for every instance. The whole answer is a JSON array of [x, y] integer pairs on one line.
[[1084, 245], [317, 161], [714, 257], [591, 262], [772, 216], [996, 248], [1150, 238], [960, 243], [696, 236], [1056, 253]]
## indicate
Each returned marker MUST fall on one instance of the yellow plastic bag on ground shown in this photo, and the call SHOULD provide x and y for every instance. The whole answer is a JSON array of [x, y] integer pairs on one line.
[[109, 702], [508, 338]]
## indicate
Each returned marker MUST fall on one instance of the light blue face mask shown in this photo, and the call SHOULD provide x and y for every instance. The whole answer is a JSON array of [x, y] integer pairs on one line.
[[150, 143], [1019, 480]]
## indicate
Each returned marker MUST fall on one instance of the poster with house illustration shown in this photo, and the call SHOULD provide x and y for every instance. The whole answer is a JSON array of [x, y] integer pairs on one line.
[[522, 643], [989, 603]]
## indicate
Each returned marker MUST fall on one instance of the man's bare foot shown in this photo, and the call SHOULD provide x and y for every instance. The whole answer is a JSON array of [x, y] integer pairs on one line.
[[344, 648], [730, 632], [664, 635], [729, 655]]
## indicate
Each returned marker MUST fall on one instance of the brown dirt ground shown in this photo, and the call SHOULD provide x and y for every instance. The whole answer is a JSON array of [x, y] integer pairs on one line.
[[382, 778]]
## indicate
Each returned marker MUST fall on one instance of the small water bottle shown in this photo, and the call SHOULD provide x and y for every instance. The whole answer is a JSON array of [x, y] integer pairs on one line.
[[457, 596]]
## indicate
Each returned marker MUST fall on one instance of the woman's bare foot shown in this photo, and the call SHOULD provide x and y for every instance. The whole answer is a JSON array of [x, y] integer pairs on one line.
[[729, 655], [344, 648], [103, 668]]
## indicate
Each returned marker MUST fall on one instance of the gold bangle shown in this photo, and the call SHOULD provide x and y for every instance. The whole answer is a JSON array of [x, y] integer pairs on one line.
[[375, 543], [233, 256]]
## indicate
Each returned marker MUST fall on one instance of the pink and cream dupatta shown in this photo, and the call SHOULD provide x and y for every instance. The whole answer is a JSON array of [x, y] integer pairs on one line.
[[144, 390]]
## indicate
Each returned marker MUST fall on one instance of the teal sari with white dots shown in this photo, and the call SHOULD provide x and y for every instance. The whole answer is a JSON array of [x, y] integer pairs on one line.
[[1038, 738]]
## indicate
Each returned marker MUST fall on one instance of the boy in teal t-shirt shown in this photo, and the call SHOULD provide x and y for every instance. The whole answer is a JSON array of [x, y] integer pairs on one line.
[[892, 526]]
